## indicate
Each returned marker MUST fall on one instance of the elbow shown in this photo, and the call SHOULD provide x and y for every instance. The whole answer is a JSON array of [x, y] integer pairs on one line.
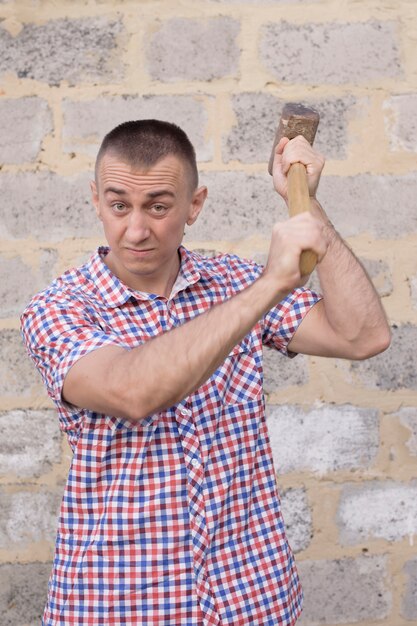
[[140, 408], [386, 339], [374, 344], [124, 401], [137, 406], [134, 407]]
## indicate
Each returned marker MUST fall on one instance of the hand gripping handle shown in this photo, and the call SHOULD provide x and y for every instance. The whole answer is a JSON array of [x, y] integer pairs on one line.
[[297, 119]]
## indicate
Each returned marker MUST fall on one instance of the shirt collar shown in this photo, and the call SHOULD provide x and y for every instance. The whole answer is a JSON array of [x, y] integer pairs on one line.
[[115, 293], [196, 268]]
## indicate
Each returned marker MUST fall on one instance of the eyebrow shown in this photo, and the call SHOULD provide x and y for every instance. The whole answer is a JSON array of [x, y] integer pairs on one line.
[[161, 192], [150, 194], [118, 192]]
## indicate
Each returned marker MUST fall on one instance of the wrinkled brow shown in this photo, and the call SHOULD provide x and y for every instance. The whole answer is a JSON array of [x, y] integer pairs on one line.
[[150, 194], [118, 192]]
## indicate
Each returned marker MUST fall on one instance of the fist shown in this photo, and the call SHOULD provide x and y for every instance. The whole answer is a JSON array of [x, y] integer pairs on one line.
[[296, 150]]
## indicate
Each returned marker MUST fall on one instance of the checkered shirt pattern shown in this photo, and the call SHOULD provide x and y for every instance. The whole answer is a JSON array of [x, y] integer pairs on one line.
[[173, 520]]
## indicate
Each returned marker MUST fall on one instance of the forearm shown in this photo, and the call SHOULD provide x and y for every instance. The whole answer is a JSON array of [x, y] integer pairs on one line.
[[166, 369], [352, 305]]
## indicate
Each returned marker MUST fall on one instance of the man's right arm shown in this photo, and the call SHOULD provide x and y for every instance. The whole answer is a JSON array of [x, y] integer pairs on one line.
[[164, 370]]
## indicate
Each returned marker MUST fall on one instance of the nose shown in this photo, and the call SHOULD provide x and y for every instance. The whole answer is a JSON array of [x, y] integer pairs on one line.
[[137, 227]]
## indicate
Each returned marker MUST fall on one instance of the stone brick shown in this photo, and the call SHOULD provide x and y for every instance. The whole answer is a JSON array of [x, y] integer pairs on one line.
[[377, 510], [409, 604], [47, 207], [47, 262], [413, 291], [260, 257], [17, 374], [253, 1], [52, 207], [324, 439], [332, 138], [28, 517], [23, 590], [86, 122], [210, 253], [380, 274], [88, 51], [257, 115], [238, 205], [24, 122], [364, 204], [345, 590], [408, 417], [332, 53], [20, 281], [281, 372], [30, 442], [297, 518], [188, 49], [378, 270], [391, 370], [400, 120]]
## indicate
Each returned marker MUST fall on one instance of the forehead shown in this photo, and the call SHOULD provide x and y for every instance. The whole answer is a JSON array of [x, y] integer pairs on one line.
[[169, 172]]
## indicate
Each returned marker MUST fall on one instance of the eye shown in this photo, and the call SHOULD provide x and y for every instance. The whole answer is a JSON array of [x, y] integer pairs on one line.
[[118, 207], [159, 209]]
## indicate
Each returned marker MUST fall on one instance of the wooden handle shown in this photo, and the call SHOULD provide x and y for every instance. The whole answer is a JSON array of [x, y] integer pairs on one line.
[[299, 202]]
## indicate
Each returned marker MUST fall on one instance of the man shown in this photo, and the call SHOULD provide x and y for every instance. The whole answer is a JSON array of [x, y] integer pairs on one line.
[[153, 356]]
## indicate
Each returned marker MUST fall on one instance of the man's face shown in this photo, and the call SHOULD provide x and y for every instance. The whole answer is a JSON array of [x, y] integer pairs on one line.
[[144, 212]]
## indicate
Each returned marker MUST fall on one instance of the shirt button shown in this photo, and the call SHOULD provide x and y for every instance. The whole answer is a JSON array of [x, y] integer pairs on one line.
[[185, 412], [194, 462]]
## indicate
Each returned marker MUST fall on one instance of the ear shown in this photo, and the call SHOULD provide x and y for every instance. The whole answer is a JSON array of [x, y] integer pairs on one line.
[[94, 197], [197, 201]]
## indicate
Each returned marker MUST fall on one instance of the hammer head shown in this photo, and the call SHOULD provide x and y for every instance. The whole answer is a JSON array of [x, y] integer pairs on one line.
[[296, 119]]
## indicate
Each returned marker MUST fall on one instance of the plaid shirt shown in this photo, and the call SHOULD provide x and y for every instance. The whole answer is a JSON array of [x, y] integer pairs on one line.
[[174, 519]]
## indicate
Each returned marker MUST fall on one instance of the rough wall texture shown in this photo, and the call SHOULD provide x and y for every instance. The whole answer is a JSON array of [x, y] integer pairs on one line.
[[344, 434]]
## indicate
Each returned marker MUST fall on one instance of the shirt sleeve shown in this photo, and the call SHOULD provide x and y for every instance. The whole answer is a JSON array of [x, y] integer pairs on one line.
[[280, 323], [56, 335]]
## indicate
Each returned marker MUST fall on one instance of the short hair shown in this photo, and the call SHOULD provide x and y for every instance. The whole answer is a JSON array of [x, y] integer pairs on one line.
[[144, 142]]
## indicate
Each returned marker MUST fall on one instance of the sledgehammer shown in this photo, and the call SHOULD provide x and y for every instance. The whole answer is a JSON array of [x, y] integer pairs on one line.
[[297, 119]]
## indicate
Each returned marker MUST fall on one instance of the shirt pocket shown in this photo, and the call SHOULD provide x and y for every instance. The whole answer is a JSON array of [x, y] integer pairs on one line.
[[239, 379]]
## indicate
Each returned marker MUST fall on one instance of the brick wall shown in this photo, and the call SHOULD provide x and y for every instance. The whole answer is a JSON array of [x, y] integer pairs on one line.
[[344, 434]]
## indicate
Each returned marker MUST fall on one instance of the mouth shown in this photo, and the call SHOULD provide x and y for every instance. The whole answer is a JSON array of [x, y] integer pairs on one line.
[[138, 249], [139, 252]]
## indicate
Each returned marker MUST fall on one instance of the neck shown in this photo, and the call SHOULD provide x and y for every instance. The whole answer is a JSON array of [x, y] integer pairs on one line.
[[159, 283]]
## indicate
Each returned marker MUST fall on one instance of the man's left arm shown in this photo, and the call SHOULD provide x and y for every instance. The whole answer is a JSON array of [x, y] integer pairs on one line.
[[349, 322]]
